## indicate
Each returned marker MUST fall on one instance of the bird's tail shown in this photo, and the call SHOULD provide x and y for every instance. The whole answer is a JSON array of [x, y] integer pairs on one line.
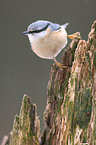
[[65, 25]]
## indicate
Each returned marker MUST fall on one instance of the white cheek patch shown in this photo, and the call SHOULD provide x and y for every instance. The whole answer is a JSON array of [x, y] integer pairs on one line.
[[30, 37], [35, 36]]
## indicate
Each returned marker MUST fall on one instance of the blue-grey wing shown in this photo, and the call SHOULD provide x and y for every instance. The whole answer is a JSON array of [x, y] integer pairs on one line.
[[55, 26]]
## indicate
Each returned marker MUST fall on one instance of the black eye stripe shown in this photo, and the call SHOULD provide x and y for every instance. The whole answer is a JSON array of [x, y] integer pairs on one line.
[[38, 31]]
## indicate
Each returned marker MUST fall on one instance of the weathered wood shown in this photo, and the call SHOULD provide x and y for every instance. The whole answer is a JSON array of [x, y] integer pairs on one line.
[[26, 126]]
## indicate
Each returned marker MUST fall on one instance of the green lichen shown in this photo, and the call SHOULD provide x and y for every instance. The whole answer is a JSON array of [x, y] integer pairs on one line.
[[84, 108], [88, 60], [84, 137], [94, 60]]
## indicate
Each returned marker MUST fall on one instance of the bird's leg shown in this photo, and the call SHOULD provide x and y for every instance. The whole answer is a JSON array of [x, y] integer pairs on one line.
[[75, 35], [59, 64]]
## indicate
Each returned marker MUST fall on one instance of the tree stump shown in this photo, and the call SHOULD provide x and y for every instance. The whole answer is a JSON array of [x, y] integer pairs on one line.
[[70, 114]]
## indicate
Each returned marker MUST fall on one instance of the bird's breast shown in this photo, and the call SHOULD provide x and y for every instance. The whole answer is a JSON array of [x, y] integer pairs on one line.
[[50, 45]]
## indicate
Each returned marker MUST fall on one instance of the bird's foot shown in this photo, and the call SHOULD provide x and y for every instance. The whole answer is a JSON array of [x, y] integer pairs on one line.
[[75, 35], [60, 65]]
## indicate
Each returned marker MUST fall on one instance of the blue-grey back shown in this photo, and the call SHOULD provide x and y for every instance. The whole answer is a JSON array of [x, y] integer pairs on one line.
[[41, 24]]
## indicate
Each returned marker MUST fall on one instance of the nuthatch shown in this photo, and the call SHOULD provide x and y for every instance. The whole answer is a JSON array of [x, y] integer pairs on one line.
[[47, 39]]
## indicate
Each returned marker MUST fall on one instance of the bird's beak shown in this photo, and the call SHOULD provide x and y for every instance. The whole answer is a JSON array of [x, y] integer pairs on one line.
[[26, 32]]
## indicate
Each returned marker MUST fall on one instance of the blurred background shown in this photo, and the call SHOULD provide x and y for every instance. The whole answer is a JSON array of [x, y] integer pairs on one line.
[[21, 71]]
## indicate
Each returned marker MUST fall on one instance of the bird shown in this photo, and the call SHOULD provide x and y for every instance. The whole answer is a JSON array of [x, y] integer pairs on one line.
[[47, 39]]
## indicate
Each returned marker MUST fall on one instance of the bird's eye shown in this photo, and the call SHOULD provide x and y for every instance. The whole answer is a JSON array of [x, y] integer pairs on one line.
[[30, 32]]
